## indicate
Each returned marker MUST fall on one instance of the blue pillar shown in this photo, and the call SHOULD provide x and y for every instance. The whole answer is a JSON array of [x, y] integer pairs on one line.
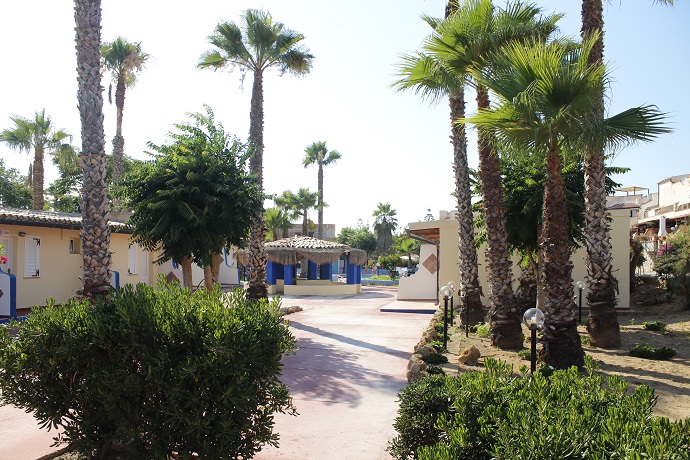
[[271, 274], [289, 274], [312, 270], [358, 271], [351, 271], [326, 271]]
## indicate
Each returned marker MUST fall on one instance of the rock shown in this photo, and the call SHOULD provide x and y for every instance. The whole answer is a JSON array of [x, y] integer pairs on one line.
[[469, 356], [416, 368], [292, 309], [425, 351]]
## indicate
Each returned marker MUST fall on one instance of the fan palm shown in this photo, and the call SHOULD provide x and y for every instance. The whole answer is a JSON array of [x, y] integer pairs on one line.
[[124, 60], [602, 323], [298, 204], [547, 99], [277, 223], [37, 134], [465, 41], [95, 232], [385, 224], [317, 153], [256, 46]]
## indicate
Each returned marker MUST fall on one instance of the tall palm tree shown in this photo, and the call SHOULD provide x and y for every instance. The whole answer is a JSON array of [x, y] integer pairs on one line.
[[124, 60], [277, 223], [428, 77], [385, 224], [298, 204], [37, 134], [317, 153], [465, 41], [602, 322], [95, 232], [256, 46], [547, 96]]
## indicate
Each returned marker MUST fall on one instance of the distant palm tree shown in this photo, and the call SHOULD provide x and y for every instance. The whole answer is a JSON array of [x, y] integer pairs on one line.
[[39, 135], [258, 45], [123, 60], [298, 205], [277, 223], [317, 153], [385, 224], [95, 233], [547, 100]]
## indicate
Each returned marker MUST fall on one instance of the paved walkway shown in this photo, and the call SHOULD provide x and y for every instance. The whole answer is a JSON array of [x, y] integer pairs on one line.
[[352, 358]]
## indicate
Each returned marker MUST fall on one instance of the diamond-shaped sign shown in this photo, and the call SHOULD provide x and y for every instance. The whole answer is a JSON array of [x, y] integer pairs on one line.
[[170, 277], [1, 293], [430, 263]]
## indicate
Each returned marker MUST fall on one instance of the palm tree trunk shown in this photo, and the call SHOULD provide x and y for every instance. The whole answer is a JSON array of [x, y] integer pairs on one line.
[[319, 230], [95, 232], [186, 264], [37, 182], [118, 140], [562, 347], [504, 315], [257, 288], [602, 323]]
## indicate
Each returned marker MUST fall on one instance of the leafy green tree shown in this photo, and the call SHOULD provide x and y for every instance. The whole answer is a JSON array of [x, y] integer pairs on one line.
[[255, 46], [277, 224], [547, 95], [14, 191], [406, 246], [602, 322], [358, 238], [385, 224], [673, 262], [65, 190], [124, 60], [466, 41], [317, 153], [35, 134], [195, 197], [298, 204]]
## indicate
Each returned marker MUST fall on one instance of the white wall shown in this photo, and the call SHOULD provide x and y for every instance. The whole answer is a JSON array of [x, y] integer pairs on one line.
[[422, 284]]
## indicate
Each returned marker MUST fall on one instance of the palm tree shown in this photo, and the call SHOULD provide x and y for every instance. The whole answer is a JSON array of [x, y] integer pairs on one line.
[[277, 224], [317, 153], [602, 322], [298, 205], [466, 40], [95, 232], [428, 77], [123, 60], [39, 135], [547, 96], [385, 224], [258, 45]]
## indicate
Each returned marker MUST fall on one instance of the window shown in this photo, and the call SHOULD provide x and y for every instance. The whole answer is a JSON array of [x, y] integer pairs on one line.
[[133, 260], [32, 257], [75, 246]]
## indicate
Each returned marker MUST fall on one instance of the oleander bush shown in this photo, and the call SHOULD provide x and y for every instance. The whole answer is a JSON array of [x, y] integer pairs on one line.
[[158, 371], [642, 350], [497, 415]]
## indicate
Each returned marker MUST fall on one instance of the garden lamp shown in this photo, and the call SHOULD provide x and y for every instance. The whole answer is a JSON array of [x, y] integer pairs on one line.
[[534, 320], [580, 286], [446, 292], [451, 285]]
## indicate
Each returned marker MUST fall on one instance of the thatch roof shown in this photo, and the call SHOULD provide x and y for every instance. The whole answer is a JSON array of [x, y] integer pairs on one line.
[[290, 250]]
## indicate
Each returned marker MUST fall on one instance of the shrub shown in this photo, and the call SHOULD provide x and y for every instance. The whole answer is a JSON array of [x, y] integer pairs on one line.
[[642, 350], [161, 371], [654, 326], [435, 358], [525, 354], [435, 370], [494, 414], [437, 344], [482, 329]]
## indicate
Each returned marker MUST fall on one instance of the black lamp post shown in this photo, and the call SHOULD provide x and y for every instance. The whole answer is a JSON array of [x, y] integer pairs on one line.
[[580, 286], [534, 320], [446, 293], [451, 285]]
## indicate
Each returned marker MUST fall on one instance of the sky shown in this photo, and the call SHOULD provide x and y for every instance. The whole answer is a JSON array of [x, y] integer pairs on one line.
[[395, 146]]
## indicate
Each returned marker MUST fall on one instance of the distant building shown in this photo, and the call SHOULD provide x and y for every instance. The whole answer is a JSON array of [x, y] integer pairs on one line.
[[328, 231]]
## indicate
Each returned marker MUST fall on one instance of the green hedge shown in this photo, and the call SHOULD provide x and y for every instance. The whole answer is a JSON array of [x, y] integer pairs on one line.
[[495, 415], [160, 371]]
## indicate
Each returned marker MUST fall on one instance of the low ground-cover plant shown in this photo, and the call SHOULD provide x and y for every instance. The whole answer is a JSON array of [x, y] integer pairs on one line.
[[654, 326], [160, 371], [642, 350], [436, 358], [494, 414]]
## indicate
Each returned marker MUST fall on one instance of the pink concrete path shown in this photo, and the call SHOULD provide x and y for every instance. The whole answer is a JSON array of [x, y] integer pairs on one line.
[[352, 358]]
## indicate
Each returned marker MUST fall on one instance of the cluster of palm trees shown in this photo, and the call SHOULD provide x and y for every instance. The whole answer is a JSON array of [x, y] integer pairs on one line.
[[549, 100]]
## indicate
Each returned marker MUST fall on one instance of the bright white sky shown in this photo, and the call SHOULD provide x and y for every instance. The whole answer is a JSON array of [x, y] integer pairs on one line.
[[395, 148]]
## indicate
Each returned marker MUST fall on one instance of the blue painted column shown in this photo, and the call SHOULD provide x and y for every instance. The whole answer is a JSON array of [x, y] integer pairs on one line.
[[326, 271], [271, 274], [358, 271], [312, 270], [351, 271], [289, 274]]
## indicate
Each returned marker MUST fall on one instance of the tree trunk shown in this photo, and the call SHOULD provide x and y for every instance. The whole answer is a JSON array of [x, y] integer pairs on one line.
[[602, 323], [504, 316], [37, 179], [258, 288], [186, 264], [118, 140], [319, 229], [470, 302], [95, 232], [562, 347]]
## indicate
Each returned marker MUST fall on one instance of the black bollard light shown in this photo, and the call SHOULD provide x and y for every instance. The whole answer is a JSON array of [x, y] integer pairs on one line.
[[534, 320], [445, 292], [580, 286], [451, 285]]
